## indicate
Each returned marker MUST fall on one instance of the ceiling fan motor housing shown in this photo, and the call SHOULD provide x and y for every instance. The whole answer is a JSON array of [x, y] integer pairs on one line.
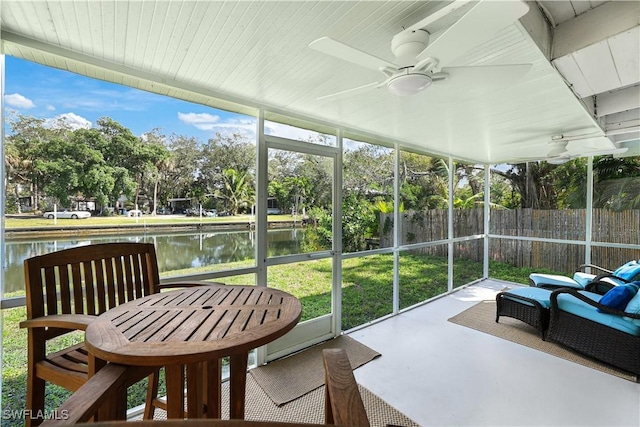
[[407, 45]]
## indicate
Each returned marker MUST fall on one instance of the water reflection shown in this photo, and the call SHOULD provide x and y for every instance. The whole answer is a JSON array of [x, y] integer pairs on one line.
[[175, 251]]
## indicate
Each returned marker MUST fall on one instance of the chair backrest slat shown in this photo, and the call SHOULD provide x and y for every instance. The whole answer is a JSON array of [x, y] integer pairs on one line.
[[89, 286], [98, 272], [139, 285], [130, 283], [78, 294], [90, 279], [110, 284], [50, 286], [65, 290]]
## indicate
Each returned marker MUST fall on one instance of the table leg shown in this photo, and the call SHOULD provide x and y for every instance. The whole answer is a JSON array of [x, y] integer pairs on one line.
[[194, 390], [213, 388], [175, 390], [237, 384]]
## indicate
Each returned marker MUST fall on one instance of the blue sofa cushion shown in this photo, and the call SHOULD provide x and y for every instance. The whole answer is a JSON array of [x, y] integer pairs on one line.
[[571, 304], [619, 296], [634, 307], [540, 279], [583, 279], [531, 292], [628, 271]]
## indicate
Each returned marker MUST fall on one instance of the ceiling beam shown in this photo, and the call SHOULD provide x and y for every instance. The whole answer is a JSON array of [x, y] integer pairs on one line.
[[618, 101], [600, 23]]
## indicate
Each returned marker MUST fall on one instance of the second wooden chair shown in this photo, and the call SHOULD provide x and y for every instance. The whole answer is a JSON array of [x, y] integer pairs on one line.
[[65, 291]]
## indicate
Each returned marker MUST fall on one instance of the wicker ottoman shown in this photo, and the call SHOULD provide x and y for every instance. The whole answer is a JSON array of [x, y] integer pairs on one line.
[[528, 304]]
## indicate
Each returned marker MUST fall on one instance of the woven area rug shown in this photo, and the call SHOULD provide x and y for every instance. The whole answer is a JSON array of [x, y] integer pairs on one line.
[[291, 377], [306, 409], [482, 317]]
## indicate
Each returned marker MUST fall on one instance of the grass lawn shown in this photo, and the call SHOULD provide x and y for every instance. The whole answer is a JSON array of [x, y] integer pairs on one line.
[[367, 290]]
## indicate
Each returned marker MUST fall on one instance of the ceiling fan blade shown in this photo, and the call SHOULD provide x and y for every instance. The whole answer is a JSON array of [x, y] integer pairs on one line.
[[434, 17], [354, 90], [347, 53], [477, 26], [487, 75], [604, 152]]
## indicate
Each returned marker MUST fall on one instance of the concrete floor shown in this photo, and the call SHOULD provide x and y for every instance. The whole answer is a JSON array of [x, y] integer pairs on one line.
[[442, 374]]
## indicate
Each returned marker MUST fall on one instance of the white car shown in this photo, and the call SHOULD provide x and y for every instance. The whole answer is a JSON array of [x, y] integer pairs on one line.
[[67, 214], [134, 213]]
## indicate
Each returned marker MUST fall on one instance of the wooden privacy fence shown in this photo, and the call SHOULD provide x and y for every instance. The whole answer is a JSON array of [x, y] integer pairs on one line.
[[569, 224]]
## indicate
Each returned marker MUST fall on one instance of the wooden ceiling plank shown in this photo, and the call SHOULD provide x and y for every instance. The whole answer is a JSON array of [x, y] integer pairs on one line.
[[597, 66], [624, 49]]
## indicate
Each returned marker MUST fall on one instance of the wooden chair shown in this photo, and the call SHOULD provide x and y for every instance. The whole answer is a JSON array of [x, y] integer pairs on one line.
[[104, 393], [65, 291], [343, 403]]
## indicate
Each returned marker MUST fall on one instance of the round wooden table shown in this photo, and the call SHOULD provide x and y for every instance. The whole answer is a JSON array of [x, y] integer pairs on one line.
[[194, 328]]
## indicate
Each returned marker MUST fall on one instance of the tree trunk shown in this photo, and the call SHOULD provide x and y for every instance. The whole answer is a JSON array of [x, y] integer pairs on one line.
[[155, 197]]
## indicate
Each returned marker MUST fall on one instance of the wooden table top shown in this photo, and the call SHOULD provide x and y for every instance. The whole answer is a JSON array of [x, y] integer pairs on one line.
[[192, 324]]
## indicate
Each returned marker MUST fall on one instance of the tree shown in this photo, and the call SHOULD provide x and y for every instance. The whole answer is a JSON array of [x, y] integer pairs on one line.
[[368, 170], [237, 190], [183, 166], [532, 181], [616, 182], [69, 167], [123, 149], [118, 178], [161, 165], [24, 145]]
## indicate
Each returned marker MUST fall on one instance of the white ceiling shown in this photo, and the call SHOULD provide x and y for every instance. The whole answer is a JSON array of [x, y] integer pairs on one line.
[[247, 55]]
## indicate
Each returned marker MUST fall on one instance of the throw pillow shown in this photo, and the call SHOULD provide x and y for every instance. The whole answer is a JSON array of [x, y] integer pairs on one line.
[[619, 296], [633, 307]]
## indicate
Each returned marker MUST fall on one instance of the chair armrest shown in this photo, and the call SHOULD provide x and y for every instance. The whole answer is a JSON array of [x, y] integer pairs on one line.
[[598, 287], [599, 278], [343, 403], [582, 268], [174, 285], [107, 385], [60, 321], [553, 299]]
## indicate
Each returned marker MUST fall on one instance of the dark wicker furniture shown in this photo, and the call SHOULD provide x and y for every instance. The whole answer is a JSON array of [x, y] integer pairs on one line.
[[523, 308], [593, 339]]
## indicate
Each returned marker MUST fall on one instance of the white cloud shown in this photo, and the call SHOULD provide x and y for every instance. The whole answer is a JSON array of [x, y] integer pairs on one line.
[[243, 126], [246, 127], [71, 120], [212, 123], [51, 108], [202, 121], [18, 101]]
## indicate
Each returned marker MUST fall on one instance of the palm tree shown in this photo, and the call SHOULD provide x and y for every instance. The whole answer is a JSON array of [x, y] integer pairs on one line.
[[237, 189]]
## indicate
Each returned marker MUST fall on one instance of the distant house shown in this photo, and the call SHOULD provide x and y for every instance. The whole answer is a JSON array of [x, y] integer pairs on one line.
[[180, 205], [85, 204], [272, 206]]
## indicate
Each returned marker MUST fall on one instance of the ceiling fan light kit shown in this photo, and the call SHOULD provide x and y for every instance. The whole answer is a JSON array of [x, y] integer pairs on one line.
[[409, 83]]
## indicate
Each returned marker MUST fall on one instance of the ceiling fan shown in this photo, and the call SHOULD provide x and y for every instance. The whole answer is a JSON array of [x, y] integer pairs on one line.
[[560, 153], [420, 61]]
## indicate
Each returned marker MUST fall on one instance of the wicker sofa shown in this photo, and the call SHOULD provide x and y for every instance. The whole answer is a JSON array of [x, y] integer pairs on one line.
[[578, 320]]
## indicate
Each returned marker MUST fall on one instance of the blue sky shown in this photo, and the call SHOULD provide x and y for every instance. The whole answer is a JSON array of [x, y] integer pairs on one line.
[[43, 92]]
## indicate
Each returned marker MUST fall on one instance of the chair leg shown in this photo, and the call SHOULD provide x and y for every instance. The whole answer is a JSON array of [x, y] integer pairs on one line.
[[35, 400], [152, 394]]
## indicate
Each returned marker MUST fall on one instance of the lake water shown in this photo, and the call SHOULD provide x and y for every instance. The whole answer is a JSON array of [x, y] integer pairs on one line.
[[175, 251]]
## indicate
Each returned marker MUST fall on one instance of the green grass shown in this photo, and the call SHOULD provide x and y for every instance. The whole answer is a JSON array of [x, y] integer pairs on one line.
[[367, 292]]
